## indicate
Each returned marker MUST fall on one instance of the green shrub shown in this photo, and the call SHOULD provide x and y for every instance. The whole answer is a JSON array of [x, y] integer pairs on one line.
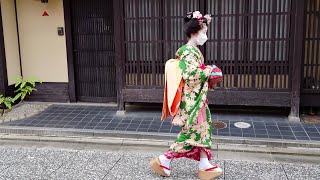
[[25, 87], [5, 102]]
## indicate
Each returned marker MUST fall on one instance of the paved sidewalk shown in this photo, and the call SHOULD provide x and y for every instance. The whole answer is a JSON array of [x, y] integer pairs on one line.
[[103, 118], [77, 161]]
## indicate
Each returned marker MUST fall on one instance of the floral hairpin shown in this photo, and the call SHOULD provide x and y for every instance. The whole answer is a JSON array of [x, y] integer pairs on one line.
[[208, 18], [198, 15]]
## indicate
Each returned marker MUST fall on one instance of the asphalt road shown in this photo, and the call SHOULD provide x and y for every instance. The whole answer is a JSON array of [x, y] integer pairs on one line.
[[47, 160]]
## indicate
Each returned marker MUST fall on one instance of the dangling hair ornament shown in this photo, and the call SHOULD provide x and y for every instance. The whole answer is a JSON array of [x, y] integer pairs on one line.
[[198, 15], [208, 18]]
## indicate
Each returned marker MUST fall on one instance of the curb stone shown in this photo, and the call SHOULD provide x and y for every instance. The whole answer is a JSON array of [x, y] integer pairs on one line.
[[159, 136], [159, 143]]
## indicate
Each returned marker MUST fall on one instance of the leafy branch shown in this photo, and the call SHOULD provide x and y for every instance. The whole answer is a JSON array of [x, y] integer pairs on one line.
[[6, 102], [25, 87]]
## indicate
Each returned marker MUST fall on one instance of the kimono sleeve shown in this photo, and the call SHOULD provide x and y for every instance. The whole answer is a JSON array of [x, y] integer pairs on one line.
[[192, 72]]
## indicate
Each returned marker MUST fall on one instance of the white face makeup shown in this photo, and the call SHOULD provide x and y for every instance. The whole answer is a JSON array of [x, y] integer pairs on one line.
[[202, 37], [204, 29]]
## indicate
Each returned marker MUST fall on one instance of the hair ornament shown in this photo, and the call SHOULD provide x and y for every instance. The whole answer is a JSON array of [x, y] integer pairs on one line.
[[201, 19]]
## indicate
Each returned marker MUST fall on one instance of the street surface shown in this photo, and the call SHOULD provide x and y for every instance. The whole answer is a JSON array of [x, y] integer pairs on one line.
[[71, 161]]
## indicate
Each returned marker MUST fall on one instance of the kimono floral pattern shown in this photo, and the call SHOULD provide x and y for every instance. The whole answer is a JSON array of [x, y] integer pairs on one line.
[[193, 100]]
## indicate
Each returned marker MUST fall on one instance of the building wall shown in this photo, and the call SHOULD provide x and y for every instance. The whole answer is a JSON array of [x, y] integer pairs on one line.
[[10, 40], [43, 52]]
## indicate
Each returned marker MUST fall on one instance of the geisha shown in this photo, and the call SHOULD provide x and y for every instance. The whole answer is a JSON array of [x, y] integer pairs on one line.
[[188, 80]]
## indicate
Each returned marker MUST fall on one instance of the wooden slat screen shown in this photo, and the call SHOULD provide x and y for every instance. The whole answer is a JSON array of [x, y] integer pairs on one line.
[[153, 32], [93, 44], [248, 39], [311, 65]]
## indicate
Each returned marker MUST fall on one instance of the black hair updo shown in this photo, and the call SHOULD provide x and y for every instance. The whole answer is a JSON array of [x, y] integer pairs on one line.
[[191, 25]]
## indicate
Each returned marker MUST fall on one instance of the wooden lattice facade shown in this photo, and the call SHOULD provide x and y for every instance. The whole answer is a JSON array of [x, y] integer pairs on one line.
[[268, 50], [311, 58], [259, 45]]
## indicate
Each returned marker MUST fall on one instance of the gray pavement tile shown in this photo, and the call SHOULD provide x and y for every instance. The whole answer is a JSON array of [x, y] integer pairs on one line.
[[248, 135], [302, 172], [236, 134], [261, 131], [315, 138], [286, 133], [302, 138], [253, 170], [289, 137], [3, 177], [275, 136], [88, 165], [313, 134], [37, 164], [133, 166], [300, 134], [11, 156], [296, 159], [3, 167], [311, 130]]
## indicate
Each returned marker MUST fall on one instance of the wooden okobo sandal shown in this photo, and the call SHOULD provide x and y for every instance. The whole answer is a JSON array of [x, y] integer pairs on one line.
[[210, 173], [158, 168]]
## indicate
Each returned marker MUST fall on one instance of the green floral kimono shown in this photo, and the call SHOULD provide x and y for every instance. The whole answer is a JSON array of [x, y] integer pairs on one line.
[[193, 102]]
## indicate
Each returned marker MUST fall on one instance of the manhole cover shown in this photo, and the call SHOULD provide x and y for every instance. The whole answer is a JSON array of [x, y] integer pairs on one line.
[[242, 125], [218, 125]]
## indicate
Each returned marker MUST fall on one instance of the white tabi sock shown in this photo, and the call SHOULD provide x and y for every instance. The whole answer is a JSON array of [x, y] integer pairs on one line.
[[204, 164], [164, 161]]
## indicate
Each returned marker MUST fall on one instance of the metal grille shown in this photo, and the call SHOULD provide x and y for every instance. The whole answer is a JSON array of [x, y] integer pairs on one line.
[[311, 65], [249, 40], [93, 44]]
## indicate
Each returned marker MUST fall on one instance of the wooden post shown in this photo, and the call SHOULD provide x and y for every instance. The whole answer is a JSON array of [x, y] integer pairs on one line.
[[70, 62], [3, 64], [298, 10], [119, 50]]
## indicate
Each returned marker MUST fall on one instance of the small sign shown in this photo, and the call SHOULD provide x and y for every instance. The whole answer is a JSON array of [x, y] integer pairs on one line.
[[45, 13], [60, 31]]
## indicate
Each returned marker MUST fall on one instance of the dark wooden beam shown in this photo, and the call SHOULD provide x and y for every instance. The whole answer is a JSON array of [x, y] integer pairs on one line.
[[50, 92], [3, 64], [97, 99], [18, 34], [310, 99], [298, 25], [119, 50], [69, 44], [245, 98]]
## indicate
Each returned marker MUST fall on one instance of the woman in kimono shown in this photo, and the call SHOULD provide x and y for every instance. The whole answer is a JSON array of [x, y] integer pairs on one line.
[[193, 115]]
